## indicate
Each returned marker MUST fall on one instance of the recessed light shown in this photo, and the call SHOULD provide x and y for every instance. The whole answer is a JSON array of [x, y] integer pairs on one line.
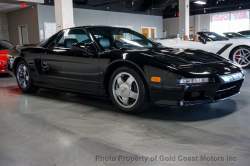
[[200, 2]]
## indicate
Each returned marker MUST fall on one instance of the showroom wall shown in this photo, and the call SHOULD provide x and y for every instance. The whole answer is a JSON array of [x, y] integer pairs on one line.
[[27, 16], [95, 17], [171, 24], [4, 32]]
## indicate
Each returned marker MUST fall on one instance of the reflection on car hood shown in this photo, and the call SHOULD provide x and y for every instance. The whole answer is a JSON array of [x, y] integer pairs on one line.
[[196, 61], [188, 56]]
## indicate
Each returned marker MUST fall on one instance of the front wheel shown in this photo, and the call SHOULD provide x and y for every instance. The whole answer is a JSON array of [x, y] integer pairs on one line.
[[24, 79], [241, 55], [127, 90]]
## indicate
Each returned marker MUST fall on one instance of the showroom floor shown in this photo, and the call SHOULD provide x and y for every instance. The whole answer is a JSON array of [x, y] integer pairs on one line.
[[53, 128]]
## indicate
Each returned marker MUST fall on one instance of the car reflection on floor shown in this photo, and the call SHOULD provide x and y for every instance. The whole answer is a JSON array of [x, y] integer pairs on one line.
[[53, 126]]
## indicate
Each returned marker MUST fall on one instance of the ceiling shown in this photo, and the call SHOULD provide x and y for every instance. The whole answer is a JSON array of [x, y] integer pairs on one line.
[[169, 8], [211, 6], [7, 6]]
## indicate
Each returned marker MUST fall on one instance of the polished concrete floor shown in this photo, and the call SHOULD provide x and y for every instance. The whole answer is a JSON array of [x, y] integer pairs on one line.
[[52, 128]]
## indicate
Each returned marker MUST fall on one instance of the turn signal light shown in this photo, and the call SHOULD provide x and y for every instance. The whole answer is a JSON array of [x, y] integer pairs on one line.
[[156, 79]]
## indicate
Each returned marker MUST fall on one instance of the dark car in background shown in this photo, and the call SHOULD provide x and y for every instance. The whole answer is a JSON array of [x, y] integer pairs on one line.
[[233, 35], [245, 33], [126, 66], [4, 49]]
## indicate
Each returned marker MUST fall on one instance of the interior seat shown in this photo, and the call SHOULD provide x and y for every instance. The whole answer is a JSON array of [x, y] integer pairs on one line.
[[104, 43], [68, 42], [186, 38], [196, 38]]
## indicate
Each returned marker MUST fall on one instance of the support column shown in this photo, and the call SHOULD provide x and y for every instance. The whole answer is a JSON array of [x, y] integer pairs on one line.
[[184, 17], [64, 14], [197, 27]]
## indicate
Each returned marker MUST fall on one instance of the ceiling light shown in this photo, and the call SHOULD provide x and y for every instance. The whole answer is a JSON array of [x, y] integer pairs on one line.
[[200, 2]]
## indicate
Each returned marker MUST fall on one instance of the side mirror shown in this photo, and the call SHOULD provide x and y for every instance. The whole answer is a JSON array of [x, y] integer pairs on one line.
[[203, 40], [79, 47]]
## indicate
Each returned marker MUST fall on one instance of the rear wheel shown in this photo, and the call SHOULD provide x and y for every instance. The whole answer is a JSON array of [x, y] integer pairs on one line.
[[24, 79], [241, 55], [127, 90]]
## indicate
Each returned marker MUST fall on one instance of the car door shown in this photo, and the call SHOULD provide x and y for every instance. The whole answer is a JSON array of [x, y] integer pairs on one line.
[[209, 46], [52, 64], [76, 69], [4, 49]]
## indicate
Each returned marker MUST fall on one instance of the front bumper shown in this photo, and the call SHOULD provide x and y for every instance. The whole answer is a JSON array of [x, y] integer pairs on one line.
[[197, 94]]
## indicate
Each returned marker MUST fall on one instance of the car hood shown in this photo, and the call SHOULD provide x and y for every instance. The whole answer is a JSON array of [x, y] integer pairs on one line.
[[187, 56], [196, 62]]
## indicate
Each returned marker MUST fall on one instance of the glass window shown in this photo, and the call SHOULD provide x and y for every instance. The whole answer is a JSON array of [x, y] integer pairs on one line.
[[245, 33], [213, 36], [116, 38], [5, 45], [71, 36], [234, 35]]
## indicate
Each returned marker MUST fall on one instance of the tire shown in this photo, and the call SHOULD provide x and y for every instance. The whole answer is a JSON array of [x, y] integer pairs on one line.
[[24, 79], [239, 52], [127, 90]]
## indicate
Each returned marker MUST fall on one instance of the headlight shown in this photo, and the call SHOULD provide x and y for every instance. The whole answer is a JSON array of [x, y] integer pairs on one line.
[[193, 80]]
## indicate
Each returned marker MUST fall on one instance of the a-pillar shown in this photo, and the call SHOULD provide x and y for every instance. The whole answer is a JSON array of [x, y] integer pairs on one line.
[[184, 17], [64, 14]]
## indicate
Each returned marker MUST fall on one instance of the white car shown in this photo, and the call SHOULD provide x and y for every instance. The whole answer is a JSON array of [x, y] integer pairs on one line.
[[238, 50]]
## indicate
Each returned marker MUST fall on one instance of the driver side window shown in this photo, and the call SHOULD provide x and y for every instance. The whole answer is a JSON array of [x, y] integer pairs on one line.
[[71, 36]]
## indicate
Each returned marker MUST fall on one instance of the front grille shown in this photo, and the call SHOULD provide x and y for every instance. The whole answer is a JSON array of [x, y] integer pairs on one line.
[[228, 90]]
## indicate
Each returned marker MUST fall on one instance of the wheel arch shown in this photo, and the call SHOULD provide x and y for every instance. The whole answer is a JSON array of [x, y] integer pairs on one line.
[[119, 63], [231, 52], [17, 60]]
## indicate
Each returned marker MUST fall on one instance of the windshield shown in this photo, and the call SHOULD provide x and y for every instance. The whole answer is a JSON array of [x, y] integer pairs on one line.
[[233, 35], [213, 36], [111, 38]]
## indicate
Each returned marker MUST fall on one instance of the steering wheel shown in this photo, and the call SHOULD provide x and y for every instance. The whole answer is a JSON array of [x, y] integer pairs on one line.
[[118, 44]]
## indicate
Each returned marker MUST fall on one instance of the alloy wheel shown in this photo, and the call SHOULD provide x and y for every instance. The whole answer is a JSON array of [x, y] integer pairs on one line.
[[242, 57], [125, 90], [23, 76]]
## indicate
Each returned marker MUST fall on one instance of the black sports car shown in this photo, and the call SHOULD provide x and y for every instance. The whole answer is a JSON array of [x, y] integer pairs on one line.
[[233, 35], [126, 66], [245, 33]]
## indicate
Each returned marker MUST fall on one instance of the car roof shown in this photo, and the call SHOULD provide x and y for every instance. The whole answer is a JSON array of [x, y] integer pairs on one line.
[[94, 26], [245, 31], [5, 41]]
